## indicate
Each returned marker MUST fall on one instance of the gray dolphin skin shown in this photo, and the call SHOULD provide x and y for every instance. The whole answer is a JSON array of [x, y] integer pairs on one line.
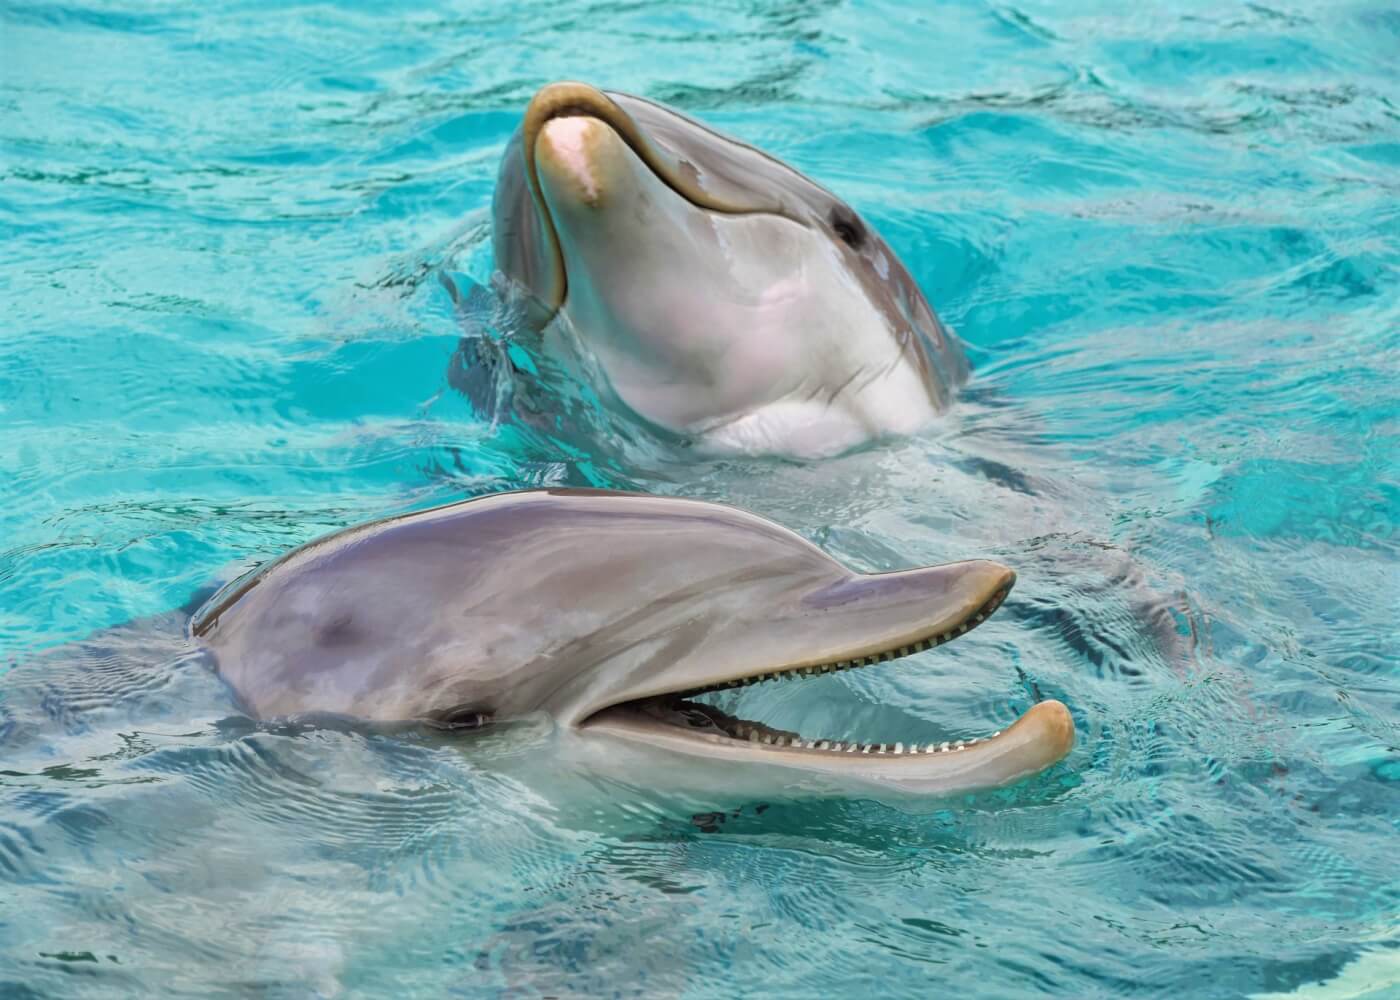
[[719, 293], [607, 615]]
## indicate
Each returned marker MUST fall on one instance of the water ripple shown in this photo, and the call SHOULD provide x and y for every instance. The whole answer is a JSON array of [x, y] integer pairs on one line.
[[1168, 235]]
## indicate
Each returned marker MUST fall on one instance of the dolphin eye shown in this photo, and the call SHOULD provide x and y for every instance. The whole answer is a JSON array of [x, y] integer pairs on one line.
[[461, 718], [848, 228]]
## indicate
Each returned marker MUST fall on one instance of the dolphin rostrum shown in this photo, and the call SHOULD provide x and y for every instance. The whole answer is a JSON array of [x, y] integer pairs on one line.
[[720, 294], [613, 615]]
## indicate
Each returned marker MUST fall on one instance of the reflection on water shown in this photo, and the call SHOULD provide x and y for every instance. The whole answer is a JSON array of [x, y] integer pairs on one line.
[[1168, 235]]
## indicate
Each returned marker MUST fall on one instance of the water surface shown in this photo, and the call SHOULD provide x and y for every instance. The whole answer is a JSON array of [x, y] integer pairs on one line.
[[1170, 235]]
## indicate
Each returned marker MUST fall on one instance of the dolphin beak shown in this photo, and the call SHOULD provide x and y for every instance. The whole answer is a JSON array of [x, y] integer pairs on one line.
[[578, 100], [856, 622], [573, 140]]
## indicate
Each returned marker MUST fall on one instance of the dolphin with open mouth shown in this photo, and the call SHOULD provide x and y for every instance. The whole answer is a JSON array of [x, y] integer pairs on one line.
[[613, 615], [719, 294]]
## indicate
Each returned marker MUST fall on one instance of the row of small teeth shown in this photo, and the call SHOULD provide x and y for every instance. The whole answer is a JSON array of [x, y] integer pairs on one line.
[[837, 746], [862, 661]]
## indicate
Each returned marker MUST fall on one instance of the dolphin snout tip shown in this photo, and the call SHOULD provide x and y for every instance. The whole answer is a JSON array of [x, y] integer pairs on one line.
[[571, 155], [1055, 728], [999, 576], [563, 92], [984, 579]]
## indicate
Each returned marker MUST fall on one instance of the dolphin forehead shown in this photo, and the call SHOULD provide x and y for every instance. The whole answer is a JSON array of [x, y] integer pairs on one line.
[[492, 604]]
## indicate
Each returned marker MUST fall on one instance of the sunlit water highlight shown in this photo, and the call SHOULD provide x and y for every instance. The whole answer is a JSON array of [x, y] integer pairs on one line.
[[1168, 233]]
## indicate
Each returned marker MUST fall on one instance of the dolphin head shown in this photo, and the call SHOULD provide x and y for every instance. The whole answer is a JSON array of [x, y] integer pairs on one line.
[[614, 615], [722, 294]]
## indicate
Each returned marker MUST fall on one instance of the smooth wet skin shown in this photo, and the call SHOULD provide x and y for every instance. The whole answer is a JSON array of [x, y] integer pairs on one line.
[[609, 613], [721, 294]]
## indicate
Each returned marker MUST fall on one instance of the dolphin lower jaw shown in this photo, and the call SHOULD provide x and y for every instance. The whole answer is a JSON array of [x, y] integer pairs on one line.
[[1041, 737], [674, 722]]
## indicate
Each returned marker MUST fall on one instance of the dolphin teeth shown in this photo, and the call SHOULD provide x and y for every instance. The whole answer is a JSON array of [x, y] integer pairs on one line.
[[880, 748], [770, 739], [979, 618], [866, 748], [947, 637], [943, 748], [851, 748], [823, 745], [899, 748]]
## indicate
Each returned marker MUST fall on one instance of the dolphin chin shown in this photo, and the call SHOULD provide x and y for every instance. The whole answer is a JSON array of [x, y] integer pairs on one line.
[[719, 293], [615, 616]]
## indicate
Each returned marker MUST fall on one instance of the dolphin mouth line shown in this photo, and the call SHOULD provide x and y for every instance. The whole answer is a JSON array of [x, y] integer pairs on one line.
[[677, 715]]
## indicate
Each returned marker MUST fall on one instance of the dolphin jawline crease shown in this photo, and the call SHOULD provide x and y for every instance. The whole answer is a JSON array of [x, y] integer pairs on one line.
[[612, 615]]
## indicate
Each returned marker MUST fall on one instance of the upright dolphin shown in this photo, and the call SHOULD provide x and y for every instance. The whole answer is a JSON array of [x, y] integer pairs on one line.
[[721, 294], [609, 614]]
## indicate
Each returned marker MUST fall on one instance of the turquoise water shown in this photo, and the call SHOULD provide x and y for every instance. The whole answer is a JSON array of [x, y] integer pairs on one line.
[[1169, 233]]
